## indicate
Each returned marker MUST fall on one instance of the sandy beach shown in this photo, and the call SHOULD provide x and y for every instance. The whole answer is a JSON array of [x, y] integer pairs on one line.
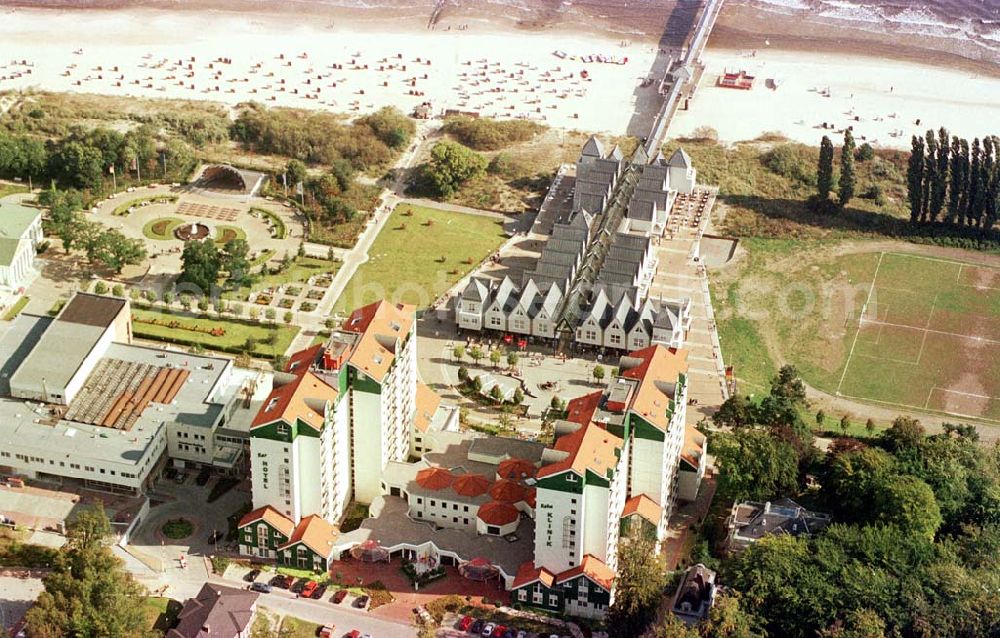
[[881, 99], [233, 58]]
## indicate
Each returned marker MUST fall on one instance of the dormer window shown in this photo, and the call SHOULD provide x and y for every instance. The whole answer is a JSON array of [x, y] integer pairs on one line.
[[270, 404]]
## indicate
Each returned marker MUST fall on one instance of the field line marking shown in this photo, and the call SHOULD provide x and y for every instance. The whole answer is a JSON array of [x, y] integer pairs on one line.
[[881, 358], [917, 407], [937, 332], [930, 393], [944, 261], [967, 394], [930, 315], [861, 320], [958, 277]]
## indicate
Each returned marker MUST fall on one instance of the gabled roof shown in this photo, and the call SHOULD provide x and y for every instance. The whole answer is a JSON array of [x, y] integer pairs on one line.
[[616, 153], [497, 513], [581, 409], [593, 148], [680, 159], [589, 448], [639, 156], [506, 294], [427, 402], [643, 506], [599, 308], [641, 210], [270, 516], [527, 573], [475, 290], [216, 612], [656, 368], [694, 445], [552, 298], [315, 533], [593, 568], [290, 401], [381, 325]]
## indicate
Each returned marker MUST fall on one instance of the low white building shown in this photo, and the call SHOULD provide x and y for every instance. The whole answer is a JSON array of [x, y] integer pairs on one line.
[[20, 235]]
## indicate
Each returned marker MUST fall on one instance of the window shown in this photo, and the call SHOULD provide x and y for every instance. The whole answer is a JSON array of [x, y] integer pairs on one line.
[[283, 429], [420, 501], [616, 339], [522, 595], [571, 478], [466, 508]]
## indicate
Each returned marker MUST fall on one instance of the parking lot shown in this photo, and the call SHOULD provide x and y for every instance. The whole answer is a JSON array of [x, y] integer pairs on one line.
[[493, 626]]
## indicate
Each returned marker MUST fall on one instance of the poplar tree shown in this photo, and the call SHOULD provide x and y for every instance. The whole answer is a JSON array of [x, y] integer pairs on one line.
[[824, 173], [930, 175], [954, 177], [961, 181], [974, 204], [940, 187], [847, 175], [915, 178]]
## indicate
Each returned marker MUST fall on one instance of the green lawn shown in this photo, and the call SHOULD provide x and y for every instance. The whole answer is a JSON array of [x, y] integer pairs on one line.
[[224, 234], [292, 627], [418, 257], [122, 209], [161, 228], [300, 270], [161, 613], [10, 189], [16, 309], [236, 335]]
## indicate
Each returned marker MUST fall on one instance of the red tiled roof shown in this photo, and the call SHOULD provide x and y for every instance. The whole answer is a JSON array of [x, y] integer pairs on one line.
[[471, 484], [507, 491], [527, 573], [594, 569], [516, 469], [581, 409], [644, 507], [658, 364], [270, 516], [529, 498], [315, 533], [287, 402], [497, 513], [435, 478], [303, 359], [590, 448]]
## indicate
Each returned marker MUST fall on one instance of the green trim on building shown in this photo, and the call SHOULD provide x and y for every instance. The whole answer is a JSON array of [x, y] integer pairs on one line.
[[596, 480], [291, 557], [560, 483], [248, 536], [271, 431], [645, 430], [361, 382], [554, 599]]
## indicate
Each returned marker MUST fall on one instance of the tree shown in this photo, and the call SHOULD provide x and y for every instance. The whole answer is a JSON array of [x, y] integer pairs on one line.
[[906, 432], [114, 250], [270, 314], [735, 412], [88, 594], [915, 178], [727, 619], [495, 357], [512, 359], [639, 586], [930, 174], [820, 418], [496, 393], [939, 188], [451, 165], [754, 465], [476, 353], [200, 264], [100, 288], [788, 385], [870, 427], [458, 352], [598, 373], [518, 398], [288, 316], [850, 480], [235, 261], [845, 424], [463, 374], [908, 503], [118, 290], [954, 180], [848, 178], [296, 172], [859, 623], [824, 172]]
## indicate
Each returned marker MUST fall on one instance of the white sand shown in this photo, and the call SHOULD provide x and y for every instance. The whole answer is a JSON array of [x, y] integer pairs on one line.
[[968, 105], [496, 74]]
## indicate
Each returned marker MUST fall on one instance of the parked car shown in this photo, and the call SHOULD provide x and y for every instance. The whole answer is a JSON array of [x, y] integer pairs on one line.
[[180, 478], [488, 629], [203, 477], [522, 634], [318, 592], [498, 631], [298, 585], [252, 575], [282, 581], [465, 623], [339, 596], [326, 631], [477, 627], [308, 588], [263, 588], [510, 633], [354, 633], [361, 602]]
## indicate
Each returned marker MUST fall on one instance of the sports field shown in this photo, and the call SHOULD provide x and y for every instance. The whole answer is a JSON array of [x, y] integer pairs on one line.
[[928, 338]]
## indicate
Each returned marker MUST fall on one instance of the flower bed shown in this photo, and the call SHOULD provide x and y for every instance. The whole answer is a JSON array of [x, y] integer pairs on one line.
[[287, 303], [215, 331], [315, 294], [307, 306]]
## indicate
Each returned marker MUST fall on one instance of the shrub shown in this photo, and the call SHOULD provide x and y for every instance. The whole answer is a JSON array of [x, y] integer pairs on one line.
[[792, 161], [864, 153], [486, 134], [101, 288]]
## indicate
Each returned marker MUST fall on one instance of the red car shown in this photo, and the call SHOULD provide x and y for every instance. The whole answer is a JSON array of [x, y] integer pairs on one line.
[[465, 623], [354, 633], [498, 631], [309, 588], [339, 596]]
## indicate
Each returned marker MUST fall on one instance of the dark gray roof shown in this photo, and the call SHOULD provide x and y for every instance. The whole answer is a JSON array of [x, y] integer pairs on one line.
[[785, 516], [641, 210], [506, 294], [91, 310], [601, 173], [630, 268], [616, 153], [588, 187], [680, 159], [475, 290], [593, 148], [216, 612], [625, 240], [588, 202], [559, 259], [639, 156], [608, 164], [659, 197], [623, 253], [607, 277], [559, 245]]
